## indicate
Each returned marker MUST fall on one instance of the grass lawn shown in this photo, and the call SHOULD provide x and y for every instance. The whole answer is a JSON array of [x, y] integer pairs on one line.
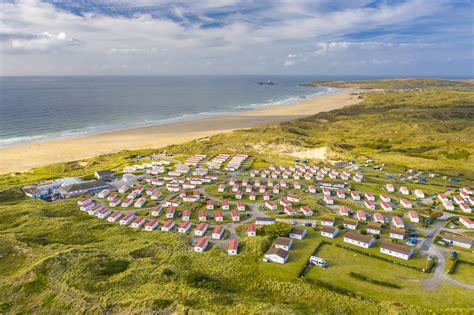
[[299, 256], [464, 273], [342, 261]]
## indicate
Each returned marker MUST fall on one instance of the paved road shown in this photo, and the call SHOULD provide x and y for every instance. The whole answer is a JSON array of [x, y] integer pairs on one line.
[[431, 234]]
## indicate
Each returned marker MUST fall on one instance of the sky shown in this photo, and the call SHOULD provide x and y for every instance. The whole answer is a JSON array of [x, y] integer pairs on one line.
[[314, 37]]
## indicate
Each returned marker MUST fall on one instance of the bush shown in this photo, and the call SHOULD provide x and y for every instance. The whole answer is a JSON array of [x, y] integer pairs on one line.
[[37, 285], [167, 272], [435, 214], [277, 229], [112, 267], [4, 307], [160, 304], [203, 281]]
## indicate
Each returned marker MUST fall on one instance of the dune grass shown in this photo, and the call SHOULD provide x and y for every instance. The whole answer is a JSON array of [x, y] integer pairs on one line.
[[54, 258]]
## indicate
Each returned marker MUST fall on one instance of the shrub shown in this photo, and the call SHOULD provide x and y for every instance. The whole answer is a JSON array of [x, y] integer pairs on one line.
[[112, 267], [37, 285], [167, 272], [4, 307], [277, 229], [203, 281], [160, 304]]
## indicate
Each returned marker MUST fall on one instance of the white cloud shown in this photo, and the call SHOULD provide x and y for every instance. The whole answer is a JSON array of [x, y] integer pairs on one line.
[[290, 34], [45, 42], [292, 59]]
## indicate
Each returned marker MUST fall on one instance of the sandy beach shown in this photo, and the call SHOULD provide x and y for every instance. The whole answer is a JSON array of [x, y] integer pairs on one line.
[[27, 156]]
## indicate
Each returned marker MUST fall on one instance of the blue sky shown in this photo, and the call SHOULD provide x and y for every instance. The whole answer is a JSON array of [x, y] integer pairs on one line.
[[321, 37]]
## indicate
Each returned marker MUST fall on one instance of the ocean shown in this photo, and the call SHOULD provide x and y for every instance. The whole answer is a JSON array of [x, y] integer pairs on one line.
[[38, 108]]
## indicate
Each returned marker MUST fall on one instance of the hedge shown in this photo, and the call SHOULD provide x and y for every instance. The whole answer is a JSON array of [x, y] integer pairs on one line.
[[452, 265], [303, 270], [374, 281], [380, 258]]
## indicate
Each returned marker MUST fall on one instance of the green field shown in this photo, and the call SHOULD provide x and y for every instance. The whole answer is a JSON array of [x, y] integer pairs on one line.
[[299, 256], [464, 273], [397, 84], [342, 261], [56, 259]]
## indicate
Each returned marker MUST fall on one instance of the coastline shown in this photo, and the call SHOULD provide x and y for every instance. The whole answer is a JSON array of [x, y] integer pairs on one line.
[[23, 157]]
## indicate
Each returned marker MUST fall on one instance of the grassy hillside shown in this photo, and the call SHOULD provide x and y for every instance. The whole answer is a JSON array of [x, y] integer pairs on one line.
[[430, 130], [53, 258], [397, 84], [56, 259]]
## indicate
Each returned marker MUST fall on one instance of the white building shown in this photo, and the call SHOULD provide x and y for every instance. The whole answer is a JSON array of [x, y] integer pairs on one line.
[[396, 250], [276, 255], [360, 240]]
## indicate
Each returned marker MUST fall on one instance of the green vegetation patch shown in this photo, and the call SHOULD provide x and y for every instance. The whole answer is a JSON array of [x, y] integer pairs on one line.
[[374, 281]]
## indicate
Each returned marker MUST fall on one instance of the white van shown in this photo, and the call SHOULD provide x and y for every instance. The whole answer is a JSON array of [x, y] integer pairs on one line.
[[320, 262]]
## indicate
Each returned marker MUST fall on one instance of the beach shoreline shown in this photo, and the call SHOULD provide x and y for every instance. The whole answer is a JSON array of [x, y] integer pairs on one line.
[[25, 156]]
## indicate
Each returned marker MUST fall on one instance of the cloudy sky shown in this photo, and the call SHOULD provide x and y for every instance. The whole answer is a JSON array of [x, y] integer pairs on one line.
[[323, 37]]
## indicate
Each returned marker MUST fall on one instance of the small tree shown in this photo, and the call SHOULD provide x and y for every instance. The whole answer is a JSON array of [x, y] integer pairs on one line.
[[277, 229], [435, 214]]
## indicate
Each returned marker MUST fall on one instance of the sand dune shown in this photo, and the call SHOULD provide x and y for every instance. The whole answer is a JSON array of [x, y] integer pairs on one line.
[[27, 156]]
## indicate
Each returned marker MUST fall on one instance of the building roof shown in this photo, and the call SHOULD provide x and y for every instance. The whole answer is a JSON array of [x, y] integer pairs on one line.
[[201, 243], [350, 221], [467, 219], [297, 230], [218, 229], [457, 238], [358, 237], [328, 229], [89, 185], [185, 224], [266, 219], [280, 252], [284, 241], [374, 226], [399, 248], [328, 218], [104, 173], [397, 231], [201, 226], [233, 245]]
